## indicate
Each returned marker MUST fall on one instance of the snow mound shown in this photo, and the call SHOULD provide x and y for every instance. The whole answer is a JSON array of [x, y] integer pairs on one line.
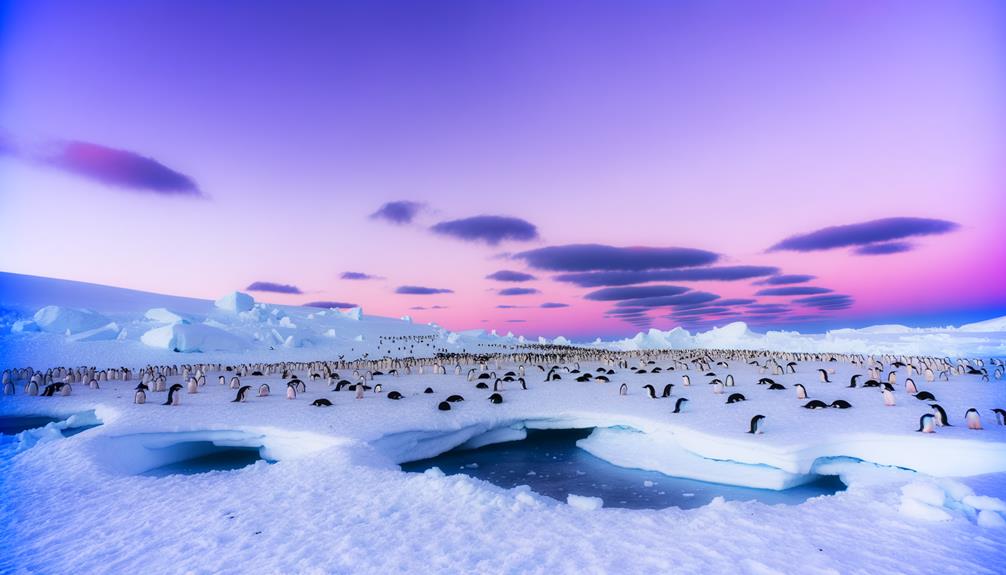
[[187, 338], [56, 319], [163, 315], [236, 302], [353, 313], [994, 325], [584, 503], [103, 333]]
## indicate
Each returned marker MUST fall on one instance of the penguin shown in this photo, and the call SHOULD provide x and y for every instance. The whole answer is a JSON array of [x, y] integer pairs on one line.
[[852, 380], [972, 418], [888, 398], [941, 415], [910, 387], [871, 383], [776, 387], [481, 385], [757, 422], [140, 396], [1000, 416], [667, 390], [321, 402], [823, 373], [428, 390], [378, 387], [291, 392], [222, 380], [240, 397], [263, 390], [841, 404], [174, 398], [523, 384], [8, 388], [193, 385], [93, 384], [717, 386], [623, 389], [801, 391], [927, 424], [394, 395], [496, 398], [359, 390], [815, 404], [32, 388], [766, 381], [736, 398], [65, 389], [455, 398], [235, 382], [680, 404], [50, 389], [444, 406], [685, 380], [728, 381], [650, 391], [925, 396]]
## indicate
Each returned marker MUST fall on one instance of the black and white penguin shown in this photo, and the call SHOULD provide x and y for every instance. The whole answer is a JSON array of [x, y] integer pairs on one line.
[[910, 387], [841, 404], [667, 390], [240, 397], [680, 404], [728, 381], [428, 390], [685, 380], [321, 402], [523, 384], [717, 386], [1000, 416], [941, 415], [888, 397], [495, 398], [776, 387], [925, 396], [455, 398], [757, 423], [222, 380], [852, 380], [235, 382], [623, 389], [139, 396], [972, 418], [394, 395], [481, 385], [650, 391], [360, 388], [823, 373], [174, 397], [927, 424], [815, 404], [192, 385], [444, 406], [31, 388], [736, 398], [801, 391], [263, 390]]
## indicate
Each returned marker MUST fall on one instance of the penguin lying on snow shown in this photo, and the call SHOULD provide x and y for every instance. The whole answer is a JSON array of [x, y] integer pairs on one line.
[[736, 398], [815, 404], [776, 387], [455, 398], [444, 406], [925, 396], [496, 398], [428, 390], [321, 402], [394, 395], [841, 404]]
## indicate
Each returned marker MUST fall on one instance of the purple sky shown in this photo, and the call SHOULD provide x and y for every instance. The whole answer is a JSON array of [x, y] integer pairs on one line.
[[198, 147]]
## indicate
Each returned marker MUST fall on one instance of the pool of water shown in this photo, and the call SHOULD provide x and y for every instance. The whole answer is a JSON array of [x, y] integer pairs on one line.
[[209, 457], [551, 464]]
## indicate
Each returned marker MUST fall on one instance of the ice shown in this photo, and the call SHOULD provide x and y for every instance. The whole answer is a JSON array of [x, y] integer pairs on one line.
[[236, 302], [584, 503], [56, 319], [163, 315], [187, 338]]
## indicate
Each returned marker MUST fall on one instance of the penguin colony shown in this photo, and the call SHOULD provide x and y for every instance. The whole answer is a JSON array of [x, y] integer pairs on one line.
[[531, 365]]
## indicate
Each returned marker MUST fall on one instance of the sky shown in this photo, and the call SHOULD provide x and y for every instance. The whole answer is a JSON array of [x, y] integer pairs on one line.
[[588, 169]]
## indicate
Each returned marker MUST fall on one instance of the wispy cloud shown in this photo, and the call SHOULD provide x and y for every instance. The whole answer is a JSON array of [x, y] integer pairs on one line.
[[273, 287], [119, 168], [421, 290], [597, 257], [488, 229], [510, 276], [874, 231], [518, 291], [620, 278], [400, 212]]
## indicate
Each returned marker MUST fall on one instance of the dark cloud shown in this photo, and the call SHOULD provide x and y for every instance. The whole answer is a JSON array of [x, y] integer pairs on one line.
[[882, 230], [591, 257], [358, 276], [331, 304], [883, 249], [273, 287], [700, 311], [488, 229], [121, 168], [694, 297], [420, 290], [515, 321], [506, 306], [553, 305], [786, 279], [510, 276], [827, 302], [402, 212], [627, 311], [518, 291], [793, 290], [634, 292], [621, 278]]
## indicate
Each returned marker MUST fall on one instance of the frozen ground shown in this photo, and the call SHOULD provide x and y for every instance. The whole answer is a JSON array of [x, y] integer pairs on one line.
[[335, 501]]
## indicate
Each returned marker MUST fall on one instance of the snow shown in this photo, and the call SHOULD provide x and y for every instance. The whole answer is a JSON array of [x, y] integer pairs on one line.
[[56, 319], [236, 302], [335, 500], [163, 315]]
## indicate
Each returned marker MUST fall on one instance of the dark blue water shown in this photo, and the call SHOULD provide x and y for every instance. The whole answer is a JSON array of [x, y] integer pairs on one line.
[[218, 459], [551, 464], [12, 425]]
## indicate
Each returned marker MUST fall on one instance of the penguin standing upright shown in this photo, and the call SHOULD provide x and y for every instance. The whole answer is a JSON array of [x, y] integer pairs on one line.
[[623, 389], [801, 391], [359, 391], [652, 393], [1000, 416], [910, 387], [757, 423], [940, 414], [140, 396], [263, 390], [174, 395], [972, 418], [680, 404], [667, 390], [8, 387], [291, 392], [240, 398], [685, 380], [888, 397], [193, 386], [927, 424], [823, 373], [717, 387]]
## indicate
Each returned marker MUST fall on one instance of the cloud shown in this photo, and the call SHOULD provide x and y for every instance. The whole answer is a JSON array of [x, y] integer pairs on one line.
[[508, 306], [627, 311], [518, 291], [331, 304], [621, 278], [420, 307], [273, 287], [793, 290], [883, 249], [421, 290], [553, 305], [882, 230], [515, 321], [488, 229], [786, 279], [634, 292], [510, 276], [827, 302], [591, 257], [401, 212], [120, 168], [358, 276], [699, 311], [693, 297]]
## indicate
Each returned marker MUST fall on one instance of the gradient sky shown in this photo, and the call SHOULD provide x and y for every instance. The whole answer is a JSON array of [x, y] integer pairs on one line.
[[193, 148]]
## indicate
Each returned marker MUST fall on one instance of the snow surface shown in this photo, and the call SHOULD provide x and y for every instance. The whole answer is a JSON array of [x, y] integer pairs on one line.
[[335, 501]]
